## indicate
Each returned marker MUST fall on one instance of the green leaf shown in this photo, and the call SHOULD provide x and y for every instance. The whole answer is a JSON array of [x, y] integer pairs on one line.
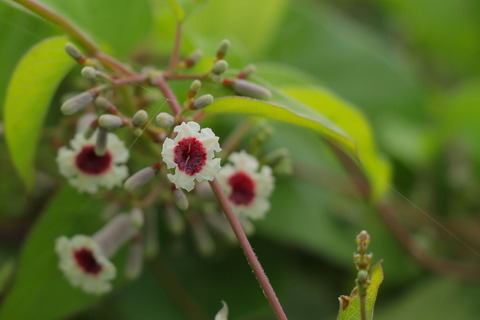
[[30, 90], [349, 305], [40, 290], [184, 8], [355, 125]]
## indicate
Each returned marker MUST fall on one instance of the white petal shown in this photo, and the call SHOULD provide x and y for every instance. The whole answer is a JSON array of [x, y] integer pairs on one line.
[[182, 180], [167, 153]]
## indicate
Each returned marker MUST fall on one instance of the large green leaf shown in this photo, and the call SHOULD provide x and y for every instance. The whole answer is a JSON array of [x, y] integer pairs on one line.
[[349, 305], [118, 25], [28, 96], [40, 291], [320, 110]]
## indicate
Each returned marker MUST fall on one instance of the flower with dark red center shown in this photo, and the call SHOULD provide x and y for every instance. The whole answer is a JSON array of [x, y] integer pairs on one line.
[[191, 153], [84, 264], [247, 187], [86, 170]]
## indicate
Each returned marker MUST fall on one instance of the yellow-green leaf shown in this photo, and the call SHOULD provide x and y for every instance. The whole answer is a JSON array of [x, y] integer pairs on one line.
[[349, 305], [29, 92]]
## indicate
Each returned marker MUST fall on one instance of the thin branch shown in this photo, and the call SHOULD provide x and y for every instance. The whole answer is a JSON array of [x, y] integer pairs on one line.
[[174, 58], [248, 251], [50, 15], [168, 94]]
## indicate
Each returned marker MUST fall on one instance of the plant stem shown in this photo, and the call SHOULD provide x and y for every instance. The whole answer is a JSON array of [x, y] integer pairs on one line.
[[176, 48], [248, 251], [50, 15], [168, 94]]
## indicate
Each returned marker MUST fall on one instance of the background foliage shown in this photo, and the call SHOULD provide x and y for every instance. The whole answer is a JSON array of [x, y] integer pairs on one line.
[[410, 66]]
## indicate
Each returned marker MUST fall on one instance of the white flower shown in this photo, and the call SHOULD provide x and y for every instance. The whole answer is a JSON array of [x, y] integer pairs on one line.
[[83, 263], [246, 187], [191, 153], [85, 170]]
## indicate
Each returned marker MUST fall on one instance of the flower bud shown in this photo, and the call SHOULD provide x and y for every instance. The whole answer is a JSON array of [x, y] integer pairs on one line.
[[250, 89], [105, 105], [115, 233], [247, 71], [180, 199], [77, 103], [194, 88], [151, 234], [134, 264], [89, 73], [165, 120], [136, 217], [220, 67], [140, 118], [362, 276], [222, 49], [203, 238], [73, 52], [101, 143], [223, 313], [202, 102], [193, 58], [139, 178], [110, 121], [85, 121], [220, 224], [174, 220]]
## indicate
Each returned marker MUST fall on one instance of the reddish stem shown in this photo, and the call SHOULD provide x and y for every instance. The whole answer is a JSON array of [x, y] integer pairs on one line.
[[168, 94], [248, 251], [176, 48]]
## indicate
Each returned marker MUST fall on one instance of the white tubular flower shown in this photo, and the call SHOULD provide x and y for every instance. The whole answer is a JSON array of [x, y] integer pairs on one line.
[[247, 187], [84, 264], [87, 171], [192, 154]]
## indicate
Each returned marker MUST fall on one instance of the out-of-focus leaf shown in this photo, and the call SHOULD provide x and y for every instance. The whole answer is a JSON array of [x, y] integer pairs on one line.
[[432, 299], [248, 24], [350, 59], [355, 125], [350, 305], [183, 8], [18, 32], [40, 290], [28, 96], [118, 25]]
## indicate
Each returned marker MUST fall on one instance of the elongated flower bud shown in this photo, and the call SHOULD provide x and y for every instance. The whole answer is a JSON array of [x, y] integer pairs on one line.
[[220, 67], [140, 118], [165, 120], [134, 261], [247, 71], [101, 143], [174, 220], [73, 52], [151, 234], [250, 89], [223, 313], [222, 49], [180, 199], [105, 105], [77, 103], [193, 58], [110, 121], [202, 102], [203, 238], [139, 178]]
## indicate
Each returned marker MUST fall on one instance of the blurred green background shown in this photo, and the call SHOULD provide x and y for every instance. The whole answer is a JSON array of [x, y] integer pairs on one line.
[[411, 66]]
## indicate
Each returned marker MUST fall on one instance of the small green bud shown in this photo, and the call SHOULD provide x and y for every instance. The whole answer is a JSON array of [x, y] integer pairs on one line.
[[194, 88], [250, 89], [140, 118], [77, 103], [220, 67], [110, 121], [216, 78], [180, 199], [136, 218], [73, 52], [101, 143], [165, 120], [202, 102], [139, 178], [222, 49], [223, 313], [193, 58], [89, 73], [104, 104], [362, 276], [174, 220]]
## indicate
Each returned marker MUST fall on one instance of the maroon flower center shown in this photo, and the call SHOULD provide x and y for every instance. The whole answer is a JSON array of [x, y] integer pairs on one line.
[[86, 261], [89, 163], [190, 155], [243, 188]]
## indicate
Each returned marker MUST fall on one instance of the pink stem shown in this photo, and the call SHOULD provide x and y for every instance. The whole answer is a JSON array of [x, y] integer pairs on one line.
[[168, 94], [248, 251]]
